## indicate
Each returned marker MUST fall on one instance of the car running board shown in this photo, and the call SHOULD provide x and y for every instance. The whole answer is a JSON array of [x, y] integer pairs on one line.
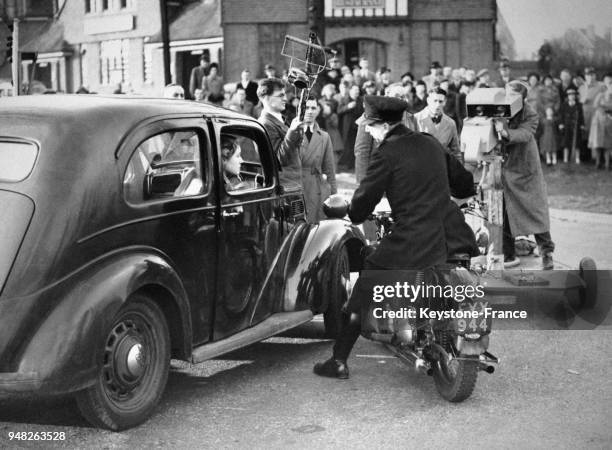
[[276, 323]]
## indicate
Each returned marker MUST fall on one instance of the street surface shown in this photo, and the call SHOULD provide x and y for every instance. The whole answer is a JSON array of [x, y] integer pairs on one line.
[[553, 389]]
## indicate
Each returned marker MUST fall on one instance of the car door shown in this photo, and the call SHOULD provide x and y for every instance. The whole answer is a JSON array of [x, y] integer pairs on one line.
[[169, 189], [249, 228]]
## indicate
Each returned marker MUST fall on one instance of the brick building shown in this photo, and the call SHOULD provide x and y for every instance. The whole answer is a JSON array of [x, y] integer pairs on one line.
[[400, 34], [102, 44]]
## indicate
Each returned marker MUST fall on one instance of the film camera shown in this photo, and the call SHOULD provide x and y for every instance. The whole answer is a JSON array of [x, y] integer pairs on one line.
[[482, 146], [484, 105]]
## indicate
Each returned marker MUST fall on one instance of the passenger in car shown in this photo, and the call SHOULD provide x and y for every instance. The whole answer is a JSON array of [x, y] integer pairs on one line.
[[231, 160]]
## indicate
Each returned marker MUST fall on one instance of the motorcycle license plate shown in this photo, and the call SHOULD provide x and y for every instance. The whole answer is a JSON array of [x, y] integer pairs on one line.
[[477, 322]]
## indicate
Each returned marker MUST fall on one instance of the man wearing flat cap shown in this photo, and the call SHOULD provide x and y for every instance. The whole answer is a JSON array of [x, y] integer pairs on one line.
[[435, 75], [410, 168]]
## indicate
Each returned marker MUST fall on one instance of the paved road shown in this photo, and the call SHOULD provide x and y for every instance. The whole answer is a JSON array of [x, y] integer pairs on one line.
[[553, 389]]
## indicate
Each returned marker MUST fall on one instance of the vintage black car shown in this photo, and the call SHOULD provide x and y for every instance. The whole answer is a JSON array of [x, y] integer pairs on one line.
[[122, 246]]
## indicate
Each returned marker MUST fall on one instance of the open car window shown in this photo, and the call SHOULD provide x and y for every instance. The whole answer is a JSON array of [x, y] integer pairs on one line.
[[167, 165], [254, 169]]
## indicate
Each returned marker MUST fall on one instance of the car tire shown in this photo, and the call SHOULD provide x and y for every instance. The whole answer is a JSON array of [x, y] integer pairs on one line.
[[339, 292], [134, 360]]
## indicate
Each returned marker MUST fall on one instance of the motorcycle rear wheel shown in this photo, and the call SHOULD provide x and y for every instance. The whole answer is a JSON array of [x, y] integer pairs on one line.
[[455, 379]]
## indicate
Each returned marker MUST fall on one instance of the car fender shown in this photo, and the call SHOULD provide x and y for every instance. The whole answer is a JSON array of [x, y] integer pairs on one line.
[[309, 264], [63, 349]]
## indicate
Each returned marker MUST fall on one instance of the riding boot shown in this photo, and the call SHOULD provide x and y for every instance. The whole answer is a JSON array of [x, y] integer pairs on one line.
[[347, 338], [548, 161], [336, 366], [566, 155], [554, 158]]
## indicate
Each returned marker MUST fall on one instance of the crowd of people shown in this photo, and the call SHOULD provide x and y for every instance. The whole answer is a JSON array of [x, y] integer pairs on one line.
[[568, 118], [574, 110], [416, 123]]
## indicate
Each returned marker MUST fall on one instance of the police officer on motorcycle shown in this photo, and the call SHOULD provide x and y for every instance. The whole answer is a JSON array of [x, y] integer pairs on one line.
[[413, 170]]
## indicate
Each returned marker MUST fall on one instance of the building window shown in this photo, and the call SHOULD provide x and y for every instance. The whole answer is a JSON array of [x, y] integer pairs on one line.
[[123, 4], [114, 57], [444, 43], [365, 8], [87, 6], [104, 5]]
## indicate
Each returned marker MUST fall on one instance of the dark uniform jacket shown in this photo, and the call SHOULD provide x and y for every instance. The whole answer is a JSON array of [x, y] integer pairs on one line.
[[195, 80], [251, 91], [459, 236], [411, 169]]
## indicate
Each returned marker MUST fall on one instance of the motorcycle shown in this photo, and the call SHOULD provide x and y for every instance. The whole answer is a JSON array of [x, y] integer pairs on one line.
[[450, 342]]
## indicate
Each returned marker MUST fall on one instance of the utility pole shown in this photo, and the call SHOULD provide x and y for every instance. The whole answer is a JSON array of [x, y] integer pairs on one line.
[[15, 63], [165, 32], [316, 18]]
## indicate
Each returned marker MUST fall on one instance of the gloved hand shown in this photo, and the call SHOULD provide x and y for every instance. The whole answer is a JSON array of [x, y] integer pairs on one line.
[[335, 206]]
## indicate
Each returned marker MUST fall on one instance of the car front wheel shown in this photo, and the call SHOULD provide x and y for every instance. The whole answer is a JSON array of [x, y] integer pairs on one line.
[[134, 362]]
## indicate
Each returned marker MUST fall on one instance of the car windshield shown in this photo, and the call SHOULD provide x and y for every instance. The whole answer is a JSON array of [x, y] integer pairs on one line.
[[16, 160]]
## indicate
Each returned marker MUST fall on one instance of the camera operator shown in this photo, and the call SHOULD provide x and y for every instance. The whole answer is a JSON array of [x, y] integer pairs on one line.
[[525, 199], [411, 169], [285, 139]]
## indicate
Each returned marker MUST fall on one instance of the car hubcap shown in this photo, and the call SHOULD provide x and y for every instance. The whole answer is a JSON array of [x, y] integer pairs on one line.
[[134, 362], [125, 359]]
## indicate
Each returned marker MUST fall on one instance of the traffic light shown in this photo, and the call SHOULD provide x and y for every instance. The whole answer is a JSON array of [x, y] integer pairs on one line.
[[9, 43]]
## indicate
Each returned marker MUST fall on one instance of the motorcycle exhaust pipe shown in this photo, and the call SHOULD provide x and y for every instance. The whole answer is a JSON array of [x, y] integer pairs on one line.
[[423, 366], [486, 367]]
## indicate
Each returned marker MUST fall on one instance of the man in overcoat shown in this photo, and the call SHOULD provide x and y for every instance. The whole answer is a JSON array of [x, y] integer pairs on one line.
[[197, 74], [285, 139], [525, 196], [432, 120], [411, 169], [317, 157]]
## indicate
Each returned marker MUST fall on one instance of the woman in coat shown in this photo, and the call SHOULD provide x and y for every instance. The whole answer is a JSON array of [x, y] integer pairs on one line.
[[348, 112], [329, 118], [600, 136], [549, 95], [525, 196], [317, 157]]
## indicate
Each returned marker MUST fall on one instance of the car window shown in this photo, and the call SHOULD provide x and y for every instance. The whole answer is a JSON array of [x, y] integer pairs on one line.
[[16, 160], [241, 161], [167, 165]]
